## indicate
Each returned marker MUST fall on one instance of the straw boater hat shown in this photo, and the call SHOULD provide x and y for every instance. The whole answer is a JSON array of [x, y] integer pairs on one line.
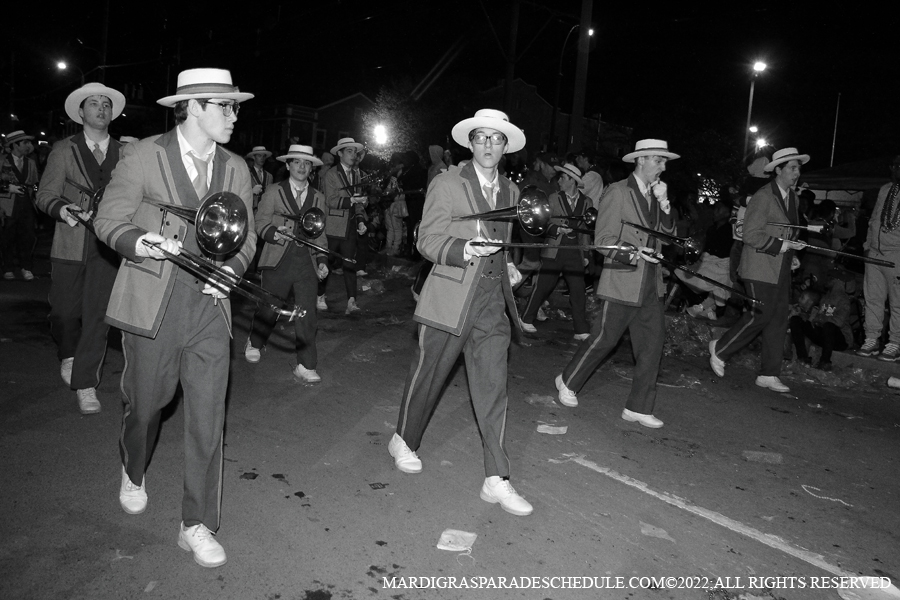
[[259, 150], [346, 143], [784, 155], [573, 172], [301, 151], [205, 83], [73, 102], [650, 148], [494, 119], [17, 136]]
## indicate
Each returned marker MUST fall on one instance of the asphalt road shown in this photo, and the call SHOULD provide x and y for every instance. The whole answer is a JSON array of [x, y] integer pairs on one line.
[[741, 487]]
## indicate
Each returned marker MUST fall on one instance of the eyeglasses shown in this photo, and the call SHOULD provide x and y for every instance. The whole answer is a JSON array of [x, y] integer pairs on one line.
[[227, 109], [480, 138]]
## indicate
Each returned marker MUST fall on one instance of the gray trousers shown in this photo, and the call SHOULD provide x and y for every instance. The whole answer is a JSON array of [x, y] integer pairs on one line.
[[484, 341], [191, 348], [880, 284]]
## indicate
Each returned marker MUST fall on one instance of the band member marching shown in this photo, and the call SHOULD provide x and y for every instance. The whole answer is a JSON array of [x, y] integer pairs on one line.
[[286, 265]]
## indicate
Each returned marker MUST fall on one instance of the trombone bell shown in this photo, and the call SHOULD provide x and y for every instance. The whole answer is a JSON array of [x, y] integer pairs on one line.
[[532, 212]]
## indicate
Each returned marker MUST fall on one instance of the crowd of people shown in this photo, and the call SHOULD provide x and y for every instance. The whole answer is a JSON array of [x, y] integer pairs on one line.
[[128, 224]]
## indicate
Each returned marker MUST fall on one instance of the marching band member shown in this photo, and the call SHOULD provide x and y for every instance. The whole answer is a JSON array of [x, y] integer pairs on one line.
[[766, 270], [19, 174], [464, 302], [286, 265], [176, 327], [82, 270], [632, 290], [569, 202]]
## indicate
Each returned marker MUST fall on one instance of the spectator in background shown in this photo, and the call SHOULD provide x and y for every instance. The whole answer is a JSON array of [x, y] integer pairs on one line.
[[20, 174], [715, 264], [824, 322], [413, 181], [438, 166], [880, 283], [593, 182]]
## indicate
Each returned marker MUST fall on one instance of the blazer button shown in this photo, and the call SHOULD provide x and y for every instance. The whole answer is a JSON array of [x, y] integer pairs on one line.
[[472, 264], [167, 224], [175, 236]]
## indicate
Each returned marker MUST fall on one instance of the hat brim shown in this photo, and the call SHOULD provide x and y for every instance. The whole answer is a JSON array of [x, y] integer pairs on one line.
[[263, 152], [340, 147], [171, 101], [631, 156], [315, 161], [18, 138], [73, 102], [803, 158], [515, 136], [570, 174]]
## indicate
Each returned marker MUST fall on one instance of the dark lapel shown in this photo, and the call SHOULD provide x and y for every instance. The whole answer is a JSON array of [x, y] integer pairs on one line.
[[289, 199], [220, 165], [184, 189], [481, 205], [90, 170], [641, 201], [256, 177], [776, 192], [344, 178], [20, 175]]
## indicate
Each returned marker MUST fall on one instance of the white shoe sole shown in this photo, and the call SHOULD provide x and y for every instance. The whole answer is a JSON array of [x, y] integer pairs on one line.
[[186, 547], [512, 511]]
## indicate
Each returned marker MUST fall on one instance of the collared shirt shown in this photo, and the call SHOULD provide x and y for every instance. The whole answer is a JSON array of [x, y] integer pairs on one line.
[[260, 174], [185, 150], [641, 185], [482, 181], [19, 162], [784, 192], [299, 192], [104, 145]]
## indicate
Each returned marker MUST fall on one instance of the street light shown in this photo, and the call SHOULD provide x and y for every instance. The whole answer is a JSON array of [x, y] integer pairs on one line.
[[754, 129], [758, 67], [63, 65], [559, 82], [381, 136], [761, 143]]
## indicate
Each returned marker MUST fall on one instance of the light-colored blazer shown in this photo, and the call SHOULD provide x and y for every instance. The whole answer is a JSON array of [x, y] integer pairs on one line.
[[280, 199], [65, 163], [152, 170], [760, 258], [623, 201], [448, 292]]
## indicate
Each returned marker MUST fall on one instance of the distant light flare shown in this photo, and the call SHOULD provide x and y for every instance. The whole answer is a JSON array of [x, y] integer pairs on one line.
[[761, 143], [759, 66], [754, 129], [381, 136]]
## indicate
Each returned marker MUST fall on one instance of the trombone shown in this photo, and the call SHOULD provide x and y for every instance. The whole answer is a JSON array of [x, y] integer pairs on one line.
[[312, 222], [86, 218], [221, 228], [692, 247], [532, 212], [825, 228], [820, 249]]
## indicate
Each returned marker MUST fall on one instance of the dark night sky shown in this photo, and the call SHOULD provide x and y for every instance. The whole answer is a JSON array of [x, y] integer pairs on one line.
[[663, 69]]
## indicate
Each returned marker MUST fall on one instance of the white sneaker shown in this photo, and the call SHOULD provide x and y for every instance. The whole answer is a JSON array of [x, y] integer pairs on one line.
[[65, 369], [645, 420], [770, 382], [9, 275], [306, 375], [404, 459], [361, 273], [717, 364], [87, 401], [199, 540], [582, 336], [541, 315], [251, 354], [695, 310], [27, 275], [566, 396], [320, 303], [132, 498], [500, 490], [528, 327], [351, 306]]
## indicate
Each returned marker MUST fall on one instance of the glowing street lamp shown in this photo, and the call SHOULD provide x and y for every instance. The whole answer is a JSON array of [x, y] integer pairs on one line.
[[758, 67], [381, 136], [754, 129], [761, 143]]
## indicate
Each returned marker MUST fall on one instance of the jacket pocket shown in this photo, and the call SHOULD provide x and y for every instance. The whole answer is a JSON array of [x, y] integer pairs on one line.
[[456, 274]]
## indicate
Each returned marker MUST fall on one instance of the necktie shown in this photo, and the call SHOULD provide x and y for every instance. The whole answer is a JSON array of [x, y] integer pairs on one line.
[[488, 190], [98, 154], [200, 182]]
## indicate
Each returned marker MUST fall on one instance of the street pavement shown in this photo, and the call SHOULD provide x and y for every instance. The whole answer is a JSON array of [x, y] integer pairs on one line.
[[744, 493]]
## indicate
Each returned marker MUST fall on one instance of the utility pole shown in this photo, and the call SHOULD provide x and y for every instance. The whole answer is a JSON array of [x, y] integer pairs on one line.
[[511, 57], [581, 68]]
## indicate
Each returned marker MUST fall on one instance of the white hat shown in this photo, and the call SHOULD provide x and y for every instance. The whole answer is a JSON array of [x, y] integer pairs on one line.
[[572, 171], [493, 119], [73, 102], [650, 148], [784, 155], [346, 143], [302, 152], [205, 83], [259, 150], [17, 136]]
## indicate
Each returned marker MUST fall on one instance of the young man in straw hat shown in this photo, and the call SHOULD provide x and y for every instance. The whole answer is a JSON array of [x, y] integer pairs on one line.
[[571, 202], [82, 269], [630, 285], [345, 214], [288, 266], [464, 302], [177, 328], [766, 270], [259, 177], [17, 238]]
